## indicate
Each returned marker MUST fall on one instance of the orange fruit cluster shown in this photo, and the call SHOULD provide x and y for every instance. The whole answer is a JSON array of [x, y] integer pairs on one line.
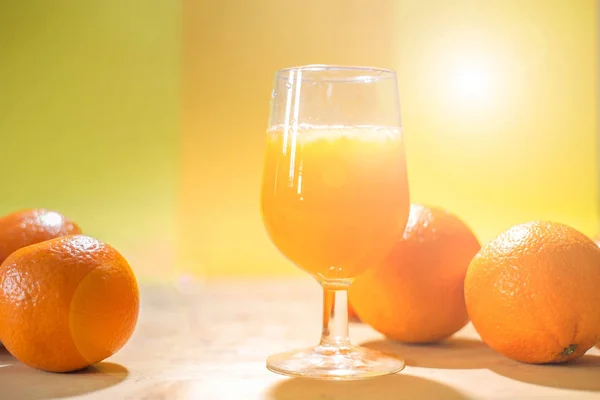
[[67, 300], [531, 293]]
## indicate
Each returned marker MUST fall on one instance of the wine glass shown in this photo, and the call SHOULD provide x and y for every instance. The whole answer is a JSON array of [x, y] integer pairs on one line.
[[334, 197]]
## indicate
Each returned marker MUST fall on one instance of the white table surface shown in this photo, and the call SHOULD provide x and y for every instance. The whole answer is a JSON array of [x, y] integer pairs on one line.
[[210, 339]]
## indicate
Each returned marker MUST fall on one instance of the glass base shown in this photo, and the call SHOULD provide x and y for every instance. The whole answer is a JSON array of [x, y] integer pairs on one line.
[[335, 363]]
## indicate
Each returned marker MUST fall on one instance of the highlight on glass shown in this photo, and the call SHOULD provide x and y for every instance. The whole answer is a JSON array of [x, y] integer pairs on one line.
[[334, 198]]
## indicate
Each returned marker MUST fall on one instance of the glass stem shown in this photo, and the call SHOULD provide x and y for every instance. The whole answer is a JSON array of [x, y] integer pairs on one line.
[[335, 316]]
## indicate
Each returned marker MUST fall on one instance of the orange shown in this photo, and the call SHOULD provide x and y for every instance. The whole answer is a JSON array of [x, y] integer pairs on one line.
[[66, 303], [26, 227], [416, 294], [532, 293]]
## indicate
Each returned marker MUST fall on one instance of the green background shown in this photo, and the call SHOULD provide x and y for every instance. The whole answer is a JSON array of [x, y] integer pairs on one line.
[[89, 116]]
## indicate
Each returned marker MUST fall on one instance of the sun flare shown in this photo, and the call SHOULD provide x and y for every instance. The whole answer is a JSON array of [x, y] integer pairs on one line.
[[472, 81]]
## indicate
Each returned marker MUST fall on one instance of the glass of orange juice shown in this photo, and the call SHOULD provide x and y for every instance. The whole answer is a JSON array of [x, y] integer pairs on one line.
[[334, 198]]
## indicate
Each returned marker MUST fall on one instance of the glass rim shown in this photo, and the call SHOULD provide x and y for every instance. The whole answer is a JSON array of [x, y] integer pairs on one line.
[[369, 73]]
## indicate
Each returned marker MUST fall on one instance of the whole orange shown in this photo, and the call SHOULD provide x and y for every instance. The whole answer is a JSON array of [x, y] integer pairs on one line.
[[26, 227], [416, 294], [66, 303], [532, 293]]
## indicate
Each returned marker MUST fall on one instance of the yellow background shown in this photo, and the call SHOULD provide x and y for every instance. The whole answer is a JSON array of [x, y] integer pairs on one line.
[[90, 119], [520, 145], [144, 121]]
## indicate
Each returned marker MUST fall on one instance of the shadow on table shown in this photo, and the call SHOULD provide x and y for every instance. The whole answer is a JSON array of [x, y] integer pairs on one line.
[[459, 353], [19, 382], [453, 353], [384, 388], [580, 374], [5, 358]]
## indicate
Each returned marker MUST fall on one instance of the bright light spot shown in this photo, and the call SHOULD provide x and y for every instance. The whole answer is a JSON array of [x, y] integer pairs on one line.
[[51, 219], [472, 82]]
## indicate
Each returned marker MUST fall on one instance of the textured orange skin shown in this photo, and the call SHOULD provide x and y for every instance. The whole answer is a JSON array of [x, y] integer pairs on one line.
[[416, 295], [66, 303], [27, 227], [533, 291]]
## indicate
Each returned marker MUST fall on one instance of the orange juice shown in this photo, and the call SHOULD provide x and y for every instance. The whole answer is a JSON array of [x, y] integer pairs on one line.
[[335, 199]]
